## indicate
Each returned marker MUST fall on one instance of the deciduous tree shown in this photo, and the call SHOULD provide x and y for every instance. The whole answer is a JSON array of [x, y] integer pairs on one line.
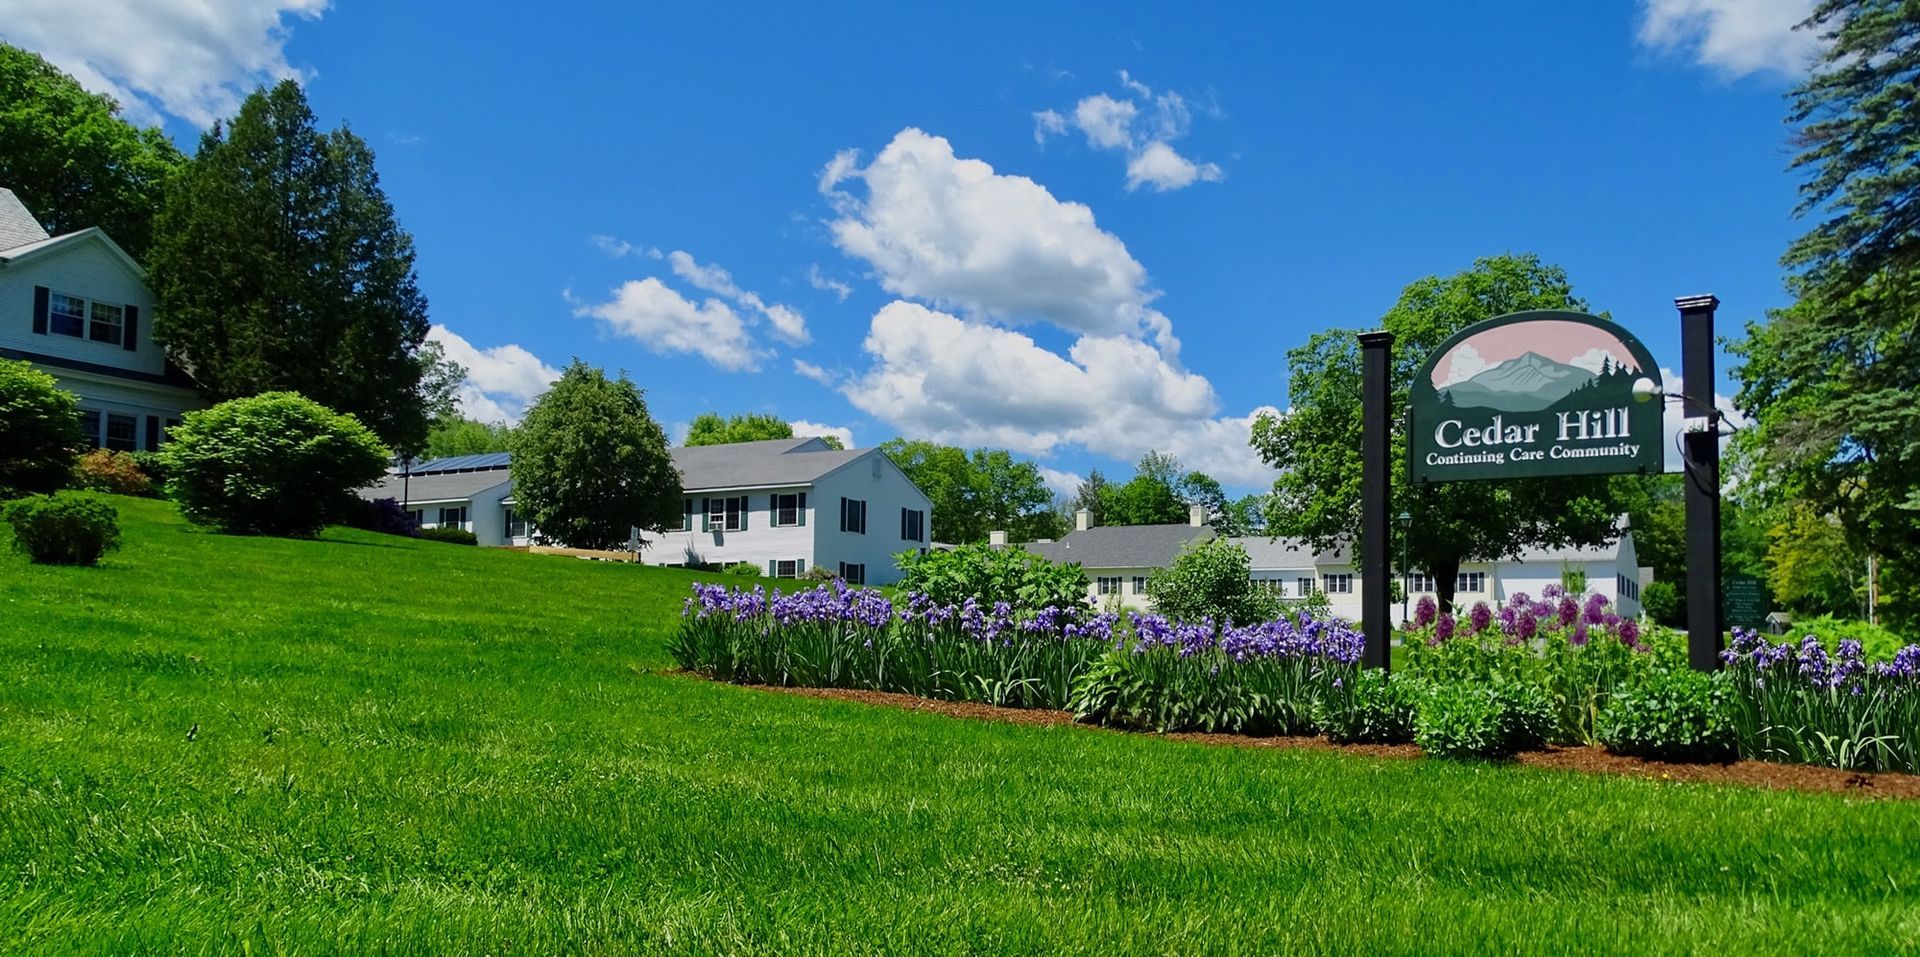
[[590, 464], [710, 428], [73, 160], [1316, 443]]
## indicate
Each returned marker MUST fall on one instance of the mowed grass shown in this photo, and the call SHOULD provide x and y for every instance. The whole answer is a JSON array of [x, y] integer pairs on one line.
[[372, 745]]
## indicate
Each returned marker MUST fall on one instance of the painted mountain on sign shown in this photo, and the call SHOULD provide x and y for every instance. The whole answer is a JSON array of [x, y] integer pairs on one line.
[[1526, 383]]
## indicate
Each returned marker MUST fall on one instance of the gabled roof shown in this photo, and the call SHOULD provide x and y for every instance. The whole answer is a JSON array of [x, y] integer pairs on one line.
[[773, 462], [1122, 546], [1270, 554], [440, 487], [17, 225], [67, 240]]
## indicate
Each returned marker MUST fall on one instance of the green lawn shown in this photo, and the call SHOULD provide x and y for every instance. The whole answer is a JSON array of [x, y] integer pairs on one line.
[[413, 747]]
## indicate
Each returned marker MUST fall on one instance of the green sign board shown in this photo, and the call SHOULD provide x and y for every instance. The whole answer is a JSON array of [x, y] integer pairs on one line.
[[1743, 601], [1535, 394]]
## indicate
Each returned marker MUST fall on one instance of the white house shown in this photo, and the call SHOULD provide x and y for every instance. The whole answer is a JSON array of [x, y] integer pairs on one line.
[[78, 307], [784, 505], [1118, 561]]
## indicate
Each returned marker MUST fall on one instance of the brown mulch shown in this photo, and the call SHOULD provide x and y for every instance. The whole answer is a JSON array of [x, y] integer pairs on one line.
[[1592, 760]]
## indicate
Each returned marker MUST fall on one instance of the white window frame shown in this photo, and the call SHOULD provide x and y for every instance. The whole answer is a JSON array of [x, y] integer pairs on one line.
[[90, 318], [56, 315], [781, 503], [1470, 583], [913, 525], [1337, 583], [853, 573], [1107, 584], [1420, 582], [1305, 585], [786, 568], [460, 522], [720, 513], [107, 440], [94, 324]]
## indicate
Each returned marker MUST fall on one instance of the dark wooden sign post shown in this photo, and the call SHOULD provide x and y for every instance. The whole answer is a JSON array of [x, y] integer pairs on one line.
[[1538, 395]]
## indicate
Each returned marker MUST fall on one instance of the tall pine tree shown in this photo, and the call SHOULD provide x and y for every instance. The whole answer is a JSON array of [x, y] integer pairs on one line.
[[278, 266], [1829, 381]]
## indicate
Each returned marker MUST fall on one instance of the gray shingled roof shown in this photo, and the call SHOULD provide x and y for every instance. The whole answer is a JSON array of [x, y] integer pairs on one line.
[[17, 225], [1122, 546], [1268, 554], [753, 464], [443, 487]]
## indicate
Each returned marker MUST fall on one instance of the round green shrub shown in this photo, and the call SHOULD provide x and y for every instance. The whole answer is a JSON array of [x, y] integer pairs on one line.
[[1470, 719], [986, 574], [450, 535], [1368, 709], [65, 528], [1670, 714], [39, 430], [277, 463]]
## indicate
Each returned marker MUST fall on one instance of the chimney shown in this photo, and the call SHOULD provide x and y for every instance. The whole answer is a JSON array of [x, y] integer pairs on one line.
[[1082, 519], [997, 537], [1196, 515]]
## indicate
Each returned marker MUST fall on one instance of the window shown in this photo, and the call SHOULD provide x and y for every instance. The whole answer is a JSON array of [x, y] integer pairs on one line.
[[727, 514], [1305, 586], [419, 516], [1627, 587], [853, 516], [913, 525], [516, 524], [1139, 584], [789, 508], [453, 517], [123, 432], [853, 574], [1274, 585], [90, 424], [66, 315], [1108, 586], [787, 569], [106, 325], [1420, 581], [1471, 582], [1341, 584]]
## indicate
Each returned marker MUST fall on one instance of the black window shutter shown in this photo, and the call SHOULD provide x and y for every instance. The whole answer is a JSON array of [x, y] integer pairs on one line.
[[131, 332], [40, 306], [153, 433]]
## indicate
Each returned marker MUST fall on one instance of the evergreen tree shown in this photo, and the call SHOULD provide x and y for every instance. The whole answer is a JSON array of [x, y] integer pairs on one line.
[[1829, 382], [279, 266]]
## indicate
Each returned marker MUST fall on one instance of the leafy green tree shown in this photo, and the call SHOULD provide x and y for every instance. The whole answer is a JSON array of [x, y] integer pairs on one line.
[[1316, 444], [458, 436], [39, 430], [73, 160], [590, 464], [709, 428], [1211, 579], [277, 463], [1656, 510], [278, 265], [1142, 500], [977, 492], [440, 382], [1812, 568], [1829, 382]]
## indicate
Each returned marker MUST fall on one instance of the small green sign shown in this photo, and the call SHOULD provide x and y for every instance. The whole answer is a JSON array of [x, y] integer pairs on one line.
[[1743, 601], [1534, 394]]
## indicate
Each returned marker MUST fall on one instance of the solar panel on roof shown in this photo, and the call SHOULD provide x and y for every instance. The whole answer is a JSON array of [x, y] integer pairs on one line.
[[464, 463]]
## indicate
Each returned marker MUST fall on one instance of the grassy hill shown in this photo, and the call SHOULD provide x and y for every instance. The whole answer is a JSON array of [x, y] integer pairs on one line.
[[371, 744]]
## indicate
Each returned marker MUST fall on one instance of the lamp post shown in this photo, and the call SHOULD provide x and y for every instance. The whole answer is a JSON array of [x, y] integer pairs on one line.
[[1404, 521]]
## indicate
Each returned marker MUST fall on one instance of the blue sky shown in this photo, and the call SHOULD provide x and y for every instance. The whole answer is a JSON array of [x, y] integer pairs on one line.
[[1077, 231]]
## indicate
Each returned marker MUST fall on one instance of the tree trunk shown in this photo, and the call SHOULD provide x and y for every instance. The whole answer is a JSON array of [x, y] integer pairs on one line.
[[1446, 575]]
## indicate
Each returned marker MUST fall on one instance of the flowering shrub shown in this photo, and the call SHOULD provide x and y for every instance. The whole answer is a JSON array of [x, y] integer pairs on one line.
[[1254, 679], [1795, 701], [105, 470]]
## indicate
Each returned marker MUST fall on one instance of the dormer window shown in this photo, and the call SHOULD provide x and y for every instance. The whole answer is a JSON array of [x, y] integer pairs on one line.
[[106, 324], [84, 319]]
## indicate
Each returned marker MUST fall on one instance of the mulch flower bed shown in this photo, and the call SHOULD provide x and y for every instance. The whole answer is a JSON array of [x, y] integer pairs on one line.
[[1594, 760]]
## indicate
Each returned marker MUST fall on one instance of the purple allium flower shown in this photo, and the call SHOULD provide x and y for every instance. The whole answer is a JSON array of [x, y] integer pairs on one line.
[[1595, 611], [1425, 611], [1443, 628], [1568, 611], [1629, 632], [1480, 617], [1525, 627]]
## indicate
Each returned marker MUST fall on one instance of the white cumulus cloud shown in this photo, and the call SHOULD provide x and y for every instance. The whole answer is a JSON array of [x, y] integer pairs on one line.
[[649, 312], [1141, 124], [803, 368], [1678, 412], [788, 325], [967, 383], [841, 432], [1061, 482], [192, 59], [1735, 37], [955, 233], [501, 381], [826, 283]]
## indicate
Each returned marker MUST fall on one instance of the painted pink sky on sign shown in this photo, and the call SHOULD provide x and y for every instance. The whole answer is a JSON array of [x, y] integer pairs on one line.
[[1573, 343]]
